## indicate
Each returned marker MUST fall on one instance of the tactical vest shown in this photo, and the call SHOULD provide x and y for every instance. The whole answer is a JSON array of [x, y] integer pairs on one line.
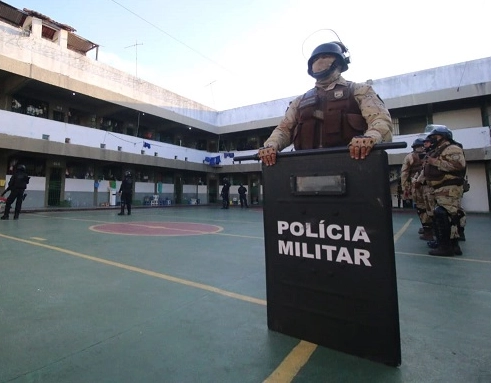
[[127, 185], [416, 165], [434, 175], [20, 181], [328, 118]]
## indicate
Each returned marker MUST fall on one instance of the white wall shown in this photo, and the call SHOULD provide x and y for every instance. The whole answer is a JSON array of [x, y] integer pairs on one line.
[[78, 185], [145, 187], [35, 183], [476, 199], [35, 127], [459, 119]]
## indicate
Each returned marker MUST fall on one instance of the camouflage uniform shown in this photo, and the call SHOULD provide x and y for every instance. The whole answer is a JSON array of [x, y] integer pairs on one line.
[[371, 106], [411, 166], [446, 178]]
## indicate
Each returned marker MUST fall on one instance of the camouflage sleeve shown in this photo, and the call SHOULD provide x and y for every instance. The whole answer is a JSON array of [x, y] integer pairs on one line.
[[452, 159], [375, 113], [280, 138], [405, 170]]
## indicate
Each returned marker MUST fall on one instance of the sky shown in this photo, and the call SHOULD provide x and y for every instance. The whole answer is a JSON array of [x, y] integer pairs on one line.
[[231, 53]]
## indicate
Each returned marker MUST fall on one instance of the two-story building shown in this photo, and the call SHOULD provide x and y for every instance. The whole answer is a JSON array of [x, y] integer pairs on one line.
[[78, 124]]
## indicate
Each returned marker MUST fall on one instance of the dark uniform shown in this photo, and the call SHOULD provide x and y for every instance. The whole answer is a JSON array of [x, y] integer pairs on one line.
[[126, 191], [243, 196], [17, 186], [225, 194]]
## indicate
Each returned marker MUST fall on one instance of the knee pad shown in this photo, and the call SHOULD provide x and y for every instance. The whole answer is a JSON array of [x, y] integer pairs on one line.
[[440, 212]]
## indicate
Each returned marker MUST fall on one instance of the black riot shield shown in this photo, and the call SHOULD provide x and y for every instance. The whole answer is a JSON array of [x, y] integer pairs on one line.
[[330, 264]]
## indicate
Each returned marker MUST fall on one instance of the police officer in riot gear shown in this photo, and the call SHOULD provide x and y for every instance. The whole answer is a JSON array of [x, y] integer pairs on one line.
[[335, 112], [243, 196], [126, 193], [411, 166], [444, 170], [17, 186], [225, 194]]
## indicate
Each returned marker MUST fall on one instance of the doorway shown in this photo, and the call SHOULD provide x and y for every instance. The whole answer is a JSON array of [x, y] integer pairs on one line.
[[54, 187]]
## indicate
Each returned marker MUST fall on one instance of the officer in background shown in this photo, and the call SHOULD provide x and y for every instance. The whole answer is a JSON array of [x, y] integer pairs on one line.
[[242, 196], [427, 193], [444, 170], [126, 193], [225, 194], [411, 167], [335, 112], [17, 186]]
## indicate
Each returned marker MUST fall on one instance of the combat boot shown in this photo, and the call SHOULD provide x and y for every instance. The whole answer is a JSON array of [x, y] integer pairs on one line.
[[427, 234], [456, 247], [432, 244], [4, 217], [461, 234], [442, 232], [443, 251]]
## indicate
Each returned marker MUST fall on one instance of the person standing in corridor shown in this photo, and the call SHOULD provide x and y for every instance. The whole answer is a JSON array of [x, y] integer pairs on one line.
[[126, 193], [243, 196], [17, 186], [225, 194]]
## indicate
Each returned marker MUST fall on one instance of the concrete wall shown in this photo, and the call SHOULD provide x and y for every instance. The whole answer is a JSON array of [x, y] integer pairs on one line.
[[46, 61]]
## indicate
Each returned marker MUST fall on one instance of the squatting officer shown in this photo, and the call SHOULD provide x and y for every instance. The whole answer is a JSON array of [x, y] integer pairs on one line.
[[335, 112]]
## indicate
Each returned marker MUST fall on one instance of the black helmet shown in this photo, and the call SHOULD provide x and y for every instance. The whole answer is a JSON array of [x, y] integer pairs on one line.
[[21, 168], [418, 142], [127, 174], [441, 130], [334, 48]]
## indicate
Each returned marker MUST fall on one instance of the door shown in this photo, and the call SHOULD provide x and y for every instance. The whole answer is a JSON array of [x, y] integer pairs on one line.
[[54, 187]]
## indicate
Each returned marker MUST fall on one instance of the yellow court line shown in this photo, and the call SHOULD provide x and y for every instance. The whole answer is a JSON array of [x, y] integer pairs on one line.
[[403, 229], [292, 364], [144, 271]]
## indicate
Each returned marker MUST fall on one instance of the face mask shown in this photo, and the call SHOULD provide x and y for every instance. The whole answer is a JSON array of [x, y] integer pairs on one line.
[[434, 141], [322, 63]]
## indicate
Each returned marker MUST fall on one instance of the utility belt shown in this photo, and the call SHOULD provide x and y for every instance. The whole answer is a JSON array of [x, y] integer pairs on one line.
[[450, 182]]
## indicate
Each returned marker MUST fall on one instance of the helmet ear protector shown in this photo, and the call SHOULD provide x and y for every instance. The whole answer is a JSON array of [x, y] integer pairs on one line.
[[347, 58]]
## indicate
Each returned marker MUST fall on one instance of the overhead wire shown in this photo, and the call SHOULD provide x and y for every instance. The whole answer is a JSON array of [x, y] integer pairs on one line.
[[172, 37]]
